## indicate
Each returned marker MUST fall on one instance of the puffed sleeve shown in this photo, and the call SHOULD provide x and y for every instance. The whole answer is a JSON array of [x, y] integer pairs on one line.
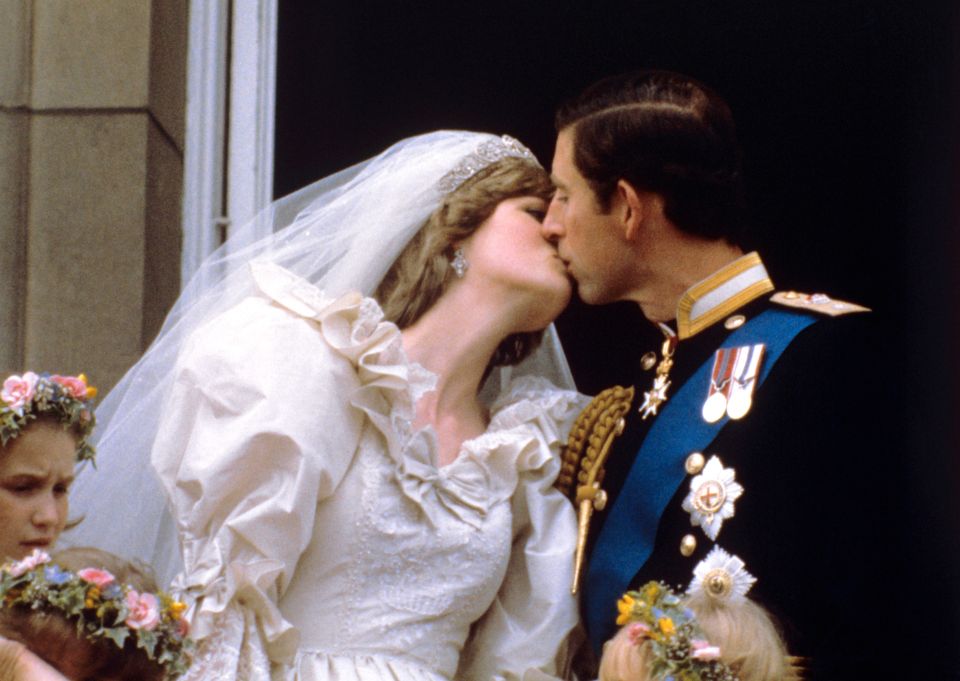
[[258, 429], [525, 633]]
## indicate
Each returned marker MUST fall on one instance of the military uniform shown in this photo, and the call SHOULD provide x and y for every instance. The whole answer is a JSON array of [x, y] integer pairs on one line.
[[806, 491]]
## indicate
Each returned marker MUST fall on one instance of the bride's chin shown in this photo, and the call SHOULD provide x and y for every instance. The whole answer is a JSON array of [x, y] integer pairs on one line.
[[545, 308]]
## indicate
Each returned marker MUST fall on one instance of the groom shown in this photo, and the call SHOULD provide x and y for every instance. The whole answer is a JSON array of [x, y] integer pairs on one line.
[[748, 452]]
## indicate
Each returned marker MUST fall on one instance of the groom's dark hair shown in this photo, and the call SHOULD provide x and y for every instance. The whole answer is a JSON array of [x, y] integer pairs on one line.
[[666, 133]]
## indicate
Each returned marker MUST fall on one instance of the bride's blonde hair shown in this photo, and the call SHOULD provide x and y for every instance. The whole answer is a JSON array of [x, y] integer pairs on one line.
[[422, 272], [749, 643]]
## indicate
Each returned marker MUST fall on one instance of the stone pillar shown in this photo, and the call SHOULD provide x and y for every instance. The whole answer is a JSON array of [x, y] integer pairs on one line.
[[91, 163]]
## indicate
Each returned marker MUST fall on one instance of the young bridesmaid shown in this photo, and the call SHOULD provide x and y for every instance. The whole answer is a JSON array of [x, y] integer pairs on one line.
[[45, 423], [85, 615], [711, 633]]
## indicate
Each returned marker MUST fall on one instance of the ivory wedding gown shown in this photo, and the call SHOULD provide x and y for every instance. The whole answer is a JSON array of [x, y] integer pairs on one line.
[[321, 539]]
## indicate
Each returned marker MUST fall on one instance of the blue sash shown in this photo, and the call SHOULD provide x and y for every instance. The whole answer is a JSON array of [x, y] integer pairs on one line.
[[658, 471]]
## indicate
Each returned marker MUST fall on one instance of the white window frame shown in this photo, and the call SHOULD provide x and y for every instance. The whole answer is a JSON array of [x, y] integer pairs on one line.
[[228, 159]]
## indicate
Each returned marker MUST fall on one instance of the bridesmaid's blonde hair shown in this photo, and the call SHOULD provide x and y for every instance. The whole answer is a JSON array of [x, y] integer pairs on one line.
[[746, 635]]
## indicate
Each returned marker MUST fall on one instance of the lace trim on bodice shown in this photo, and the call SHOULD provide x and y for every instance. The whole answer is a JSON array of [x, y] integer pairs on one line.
[[523, 426]]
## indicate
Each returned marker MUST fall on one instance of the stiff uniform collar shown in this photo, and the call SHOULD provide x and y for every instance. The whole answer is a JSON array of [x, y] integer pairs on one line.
[[729, 288]]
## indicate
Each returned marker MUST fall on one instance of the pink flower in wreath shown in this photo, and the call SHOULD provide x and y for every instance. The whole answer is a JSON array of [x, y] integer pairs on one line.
[[99, 578], [704, 651], [72, 385], [144, 610], [34, 560], [638, 632], [19, 390]]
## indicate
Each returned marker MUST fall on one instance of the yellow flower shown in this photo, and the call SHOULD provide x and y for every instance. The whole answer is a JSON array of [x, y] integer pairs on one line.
[[93, 595], [625, 608], [651, 591], [91, 391], [177, 609], [666, 626]]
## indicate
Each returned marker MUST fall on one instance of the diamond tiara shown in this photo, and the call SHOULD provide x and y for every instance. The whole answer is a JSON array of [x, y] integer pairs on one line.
[[487, 153]]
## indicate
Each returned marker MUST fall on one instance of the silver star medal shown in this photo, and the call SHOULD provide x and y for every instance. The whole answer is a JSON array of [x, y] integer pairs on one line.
[[657, 395], [711, 498], [721, 576], [653, 398]]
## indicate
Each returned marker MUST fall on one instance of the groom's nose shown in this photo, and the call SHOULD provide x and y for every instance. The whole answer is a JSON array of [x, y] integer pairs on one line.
[[552, 227]]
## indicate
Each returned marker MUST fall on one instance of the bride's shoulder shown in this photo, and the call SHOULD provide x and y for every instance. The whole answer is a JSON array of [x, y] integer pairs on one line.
[[539, 395], [301, 298], [287, 316]]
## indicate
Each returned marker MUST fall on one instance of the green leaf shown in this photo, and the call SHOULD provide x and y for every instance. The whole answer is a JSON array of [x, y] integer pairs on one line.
[[148, 641], [117, 634]]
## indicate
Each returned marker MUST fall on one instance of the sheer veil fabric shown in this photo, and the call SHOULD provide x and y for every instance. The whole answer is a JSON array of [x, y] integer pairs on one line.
[[341, 234]]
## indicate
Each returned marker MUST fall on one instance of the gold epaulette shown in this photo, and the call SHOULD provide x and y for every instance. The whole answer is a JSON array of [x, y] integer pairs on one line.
[[816, 302], [581, 471], [590, 431]]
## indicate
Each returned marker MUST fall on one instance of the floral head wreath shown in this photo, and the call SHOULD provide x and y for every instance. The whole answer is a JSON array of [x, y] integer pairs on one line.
[[68, 398], [102, 608], [655, 615]]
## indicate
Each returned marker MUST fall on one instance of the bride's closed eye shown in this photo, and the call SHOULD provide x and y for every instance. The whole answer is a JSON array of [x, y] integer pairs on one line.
[[535, 207]]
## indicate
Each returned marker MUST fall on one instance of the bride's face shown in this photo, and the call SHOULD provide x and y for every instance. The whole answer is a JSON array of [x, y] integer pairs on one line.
[[509, 252]]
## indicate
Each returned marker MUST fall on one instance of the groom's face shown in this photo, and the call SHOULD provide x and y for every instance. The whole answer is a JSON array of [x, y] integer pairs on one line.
[[589, 241]]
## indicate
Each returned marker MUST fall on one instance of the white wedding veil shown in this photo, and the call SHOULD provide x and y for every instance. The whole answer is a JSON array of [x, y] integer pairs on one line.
[[341, 233]]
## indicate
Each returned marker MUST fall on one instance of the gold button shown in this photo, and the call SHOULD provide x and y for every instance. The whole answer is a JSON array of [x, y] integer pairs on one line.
[[648, 360], [688, 545], [734, 322], [694, 463], [600, 500]]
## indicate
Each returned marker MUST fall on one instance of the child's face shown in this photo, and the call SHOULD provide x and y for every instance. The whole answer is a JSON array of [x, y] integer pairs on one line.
[[36, 470]]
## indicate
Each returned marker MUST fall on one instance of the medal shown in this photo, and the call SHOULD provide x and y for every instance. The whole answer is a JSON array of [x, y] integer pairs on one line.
[[653, 398], [657, 395], [712, 496], [739, 404], [715, 405], [745, 372]]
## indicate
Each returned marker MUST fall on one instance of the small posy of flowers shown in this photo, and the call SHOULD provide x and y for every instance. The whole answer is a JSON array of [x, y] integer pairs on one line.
[[25, 397], [654, 615], [101, 607]]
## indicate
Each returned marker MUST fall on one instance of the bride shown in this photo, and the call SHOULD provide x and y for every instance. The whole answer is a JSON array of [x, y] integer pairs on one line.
[[360, 489]]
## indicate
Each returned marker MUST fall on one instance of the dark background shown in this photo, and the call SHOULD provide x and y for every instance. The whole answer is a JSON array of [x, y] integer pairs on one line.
[[847, 114]]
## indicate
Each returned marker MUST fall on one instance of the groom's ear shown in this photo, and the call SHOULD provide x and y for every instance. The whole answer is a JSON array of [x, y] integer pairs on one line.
[[631, 207]]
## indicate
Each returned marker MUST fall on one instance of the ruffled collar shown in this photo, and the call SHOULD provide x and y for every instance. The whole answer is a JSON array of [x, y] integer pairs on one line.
[[526, 419]]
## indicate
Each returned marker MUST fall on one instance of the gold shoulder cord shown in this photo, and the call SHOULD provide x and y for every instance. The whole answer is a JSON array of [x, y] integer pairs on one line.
[[584, 457]]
